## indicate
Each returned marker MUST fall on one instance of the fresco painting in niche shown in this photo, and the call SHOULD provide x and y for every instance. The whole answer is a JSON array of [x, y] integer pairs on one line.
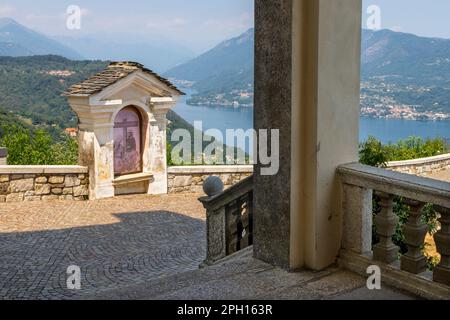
[[127, 142]]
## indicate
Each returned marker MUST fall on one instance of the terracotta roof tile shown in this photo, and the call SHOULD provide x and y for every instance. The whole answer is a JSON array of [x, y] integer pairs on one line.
[[113, 73]]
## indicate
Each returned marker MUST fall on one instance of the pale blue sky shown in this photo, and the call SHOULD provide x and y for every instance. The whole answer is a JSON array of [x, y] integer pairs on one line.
[[429, 18], [200, 24], [197, 24]]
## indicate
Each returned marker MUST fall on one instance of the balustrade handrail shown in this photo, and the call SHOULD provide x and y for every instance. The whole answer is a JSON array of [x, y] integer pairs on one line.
[[231, 194], [229, 221], [361, 185], [399, 184]]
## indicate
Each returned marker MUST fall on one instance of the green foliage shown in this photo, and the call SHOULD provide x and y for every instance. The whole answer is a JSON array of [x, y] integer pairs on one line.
[[176, 122], [28, 147], [374, 153], [169, 154]]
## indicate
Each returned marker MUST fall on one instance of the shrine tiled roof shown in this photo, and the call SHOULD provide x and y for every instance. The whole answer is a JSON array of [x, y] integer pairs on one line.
[[113, 73]]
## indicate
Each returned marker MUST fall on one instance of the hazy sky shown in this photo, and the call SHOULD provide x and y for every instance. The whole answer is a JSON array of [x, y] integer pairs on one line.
[[197, 24], [429, 18]]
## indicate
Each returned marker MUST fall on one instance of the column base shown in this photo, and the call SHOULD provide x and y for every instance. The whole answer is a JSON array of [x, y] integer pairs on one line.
[[441, 275], [414, 266], [385, 254], [102, 192]]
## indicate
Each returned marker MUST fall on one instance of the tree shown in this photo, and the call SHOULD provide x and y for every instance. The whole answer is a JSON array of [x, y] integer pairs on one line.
[[27, 147]]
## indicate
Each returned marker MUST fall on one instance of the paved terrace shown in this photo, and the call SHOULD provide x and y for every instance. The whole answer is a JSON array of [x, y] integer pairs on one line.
[[116, 242], [143, 247]]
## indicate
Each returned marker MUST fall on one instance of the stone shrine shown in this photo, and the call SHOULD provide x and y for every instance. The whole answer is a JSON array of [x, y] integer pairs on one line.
[[122, 129]]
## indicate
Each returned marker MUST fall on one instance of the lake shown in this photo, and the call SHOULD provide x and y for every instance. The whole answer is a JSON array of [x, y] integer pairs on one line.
[[386, 130]]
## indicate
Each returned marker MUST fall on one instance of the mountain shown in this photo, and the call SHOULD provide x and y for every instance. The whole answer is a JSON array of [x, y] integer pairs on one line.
[[225, 69], [405, 76], [155, 54], [387, 53], [17, 40]]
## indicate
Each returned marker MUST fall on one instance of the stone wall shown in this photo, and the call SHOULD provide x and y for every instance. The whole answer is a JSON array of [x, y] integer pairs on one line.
[[422, 167], [191, 178], [43, 183]]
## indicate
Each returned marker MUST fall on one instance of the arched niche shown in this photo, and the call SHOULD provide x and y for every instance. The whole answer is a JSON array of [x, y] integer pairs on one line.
[[128, 142]]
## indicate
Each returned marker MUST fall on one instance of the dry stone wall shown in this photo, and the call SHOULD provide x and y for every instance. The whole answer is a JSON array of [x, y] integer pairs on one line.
[[18, 184], [422, 167], [191, 178]]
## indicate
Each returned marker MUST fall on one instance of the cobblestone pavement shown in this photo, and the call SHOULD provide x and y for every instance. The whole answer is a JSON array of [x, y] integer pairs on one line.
[[116, 242], [241, 277]]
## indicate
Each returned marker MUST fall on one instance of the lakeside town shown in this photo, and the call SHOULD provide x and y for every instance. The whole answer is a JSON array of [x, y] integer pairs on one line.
[[236, 98], [388, 100], [380, 99]]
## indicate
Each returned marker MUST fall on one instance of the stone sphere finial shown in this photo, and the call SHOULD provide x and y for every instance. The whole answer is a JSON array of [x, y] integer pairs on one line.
[[213, 186]]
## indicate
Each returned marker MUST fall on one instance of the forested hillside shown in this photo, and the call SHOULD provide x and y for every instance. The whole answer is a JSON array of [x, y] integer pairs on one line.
[[31, 87], [30, 94]]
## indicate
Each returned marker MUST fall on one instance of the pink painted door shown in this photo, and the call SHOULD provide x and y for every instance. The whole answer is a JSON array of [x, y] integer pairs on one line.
[[127, 142]]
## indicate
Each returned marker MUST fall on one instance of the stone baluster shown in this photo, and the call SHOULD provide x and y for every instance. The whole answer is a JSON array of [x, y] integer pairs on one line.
[[386, 221], [441, 273], [414, 261]]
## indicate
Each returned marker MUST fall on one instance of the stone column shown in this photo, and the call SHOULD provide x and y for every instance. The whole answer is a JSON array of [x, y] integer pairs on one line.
[[158, 150], [307, 75]]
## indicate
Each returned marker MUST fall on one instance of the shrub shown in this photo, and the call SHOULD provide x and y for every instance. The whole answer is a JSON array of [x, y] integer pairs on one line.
[[373, 153], [26, 147]]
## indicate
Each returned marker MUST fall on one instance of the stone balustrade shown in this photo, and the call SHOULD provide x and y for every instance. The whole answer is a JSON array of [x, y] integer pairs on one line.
[[191, 178], [360, 184], [43, 183], [229, 221], [423, 166]]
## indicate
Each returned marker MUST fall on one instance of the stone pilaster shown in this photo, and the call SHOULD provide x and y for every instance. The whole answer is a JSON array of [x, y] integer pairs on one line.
[[158, 151], [97, 153], [357, 228]]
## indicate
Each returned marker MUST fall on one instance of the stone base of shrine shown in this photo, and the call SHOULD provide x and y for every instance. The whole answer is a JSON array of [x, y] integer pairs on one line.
[[133, 184]]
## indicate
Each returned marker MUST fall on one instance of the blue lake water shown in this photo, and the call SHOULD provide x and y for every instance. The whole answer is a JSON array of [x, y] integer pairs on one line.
[[392, 130], [386, 130]]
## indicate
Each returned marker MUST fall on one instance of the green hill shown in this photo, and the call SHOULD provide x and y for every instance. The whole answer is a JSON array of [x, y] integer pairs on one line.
[[30, 93], [31, 87]]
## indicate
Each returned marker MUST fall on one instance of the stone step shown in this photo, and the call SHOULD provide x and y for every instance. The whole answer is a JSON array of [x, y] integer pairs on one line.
[[243, 278]]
